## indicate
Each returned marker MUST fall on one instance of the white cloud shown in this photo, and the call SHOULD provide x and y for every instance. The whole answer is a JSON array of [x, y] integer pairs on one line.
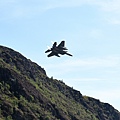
[[109, 6], [106, 5], [109, 61], [110, 96], [95, 33], [3, 2], [23, 8], [85, 80], [114, 20], [106, 66]]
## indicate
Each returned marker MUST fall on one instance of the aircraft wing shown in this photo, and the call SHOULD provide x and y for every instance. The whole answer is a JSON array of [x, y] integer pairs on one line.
[[47, 50], [52, 54], [61, 45]]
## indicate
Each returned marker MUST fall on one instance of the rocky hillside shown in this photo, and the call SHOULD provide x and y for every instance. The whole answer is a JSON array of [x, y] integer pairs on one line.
[[27, 93]]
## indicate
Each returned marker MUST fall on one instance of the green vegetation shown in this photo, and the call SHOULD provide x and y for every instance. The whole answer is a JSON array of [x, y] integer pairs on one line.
[[28, 94]]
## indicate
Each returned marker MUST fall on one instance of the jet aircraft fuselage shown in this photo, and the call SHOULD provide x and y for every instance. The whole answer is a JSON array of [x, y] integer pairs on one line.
[[56, 50]]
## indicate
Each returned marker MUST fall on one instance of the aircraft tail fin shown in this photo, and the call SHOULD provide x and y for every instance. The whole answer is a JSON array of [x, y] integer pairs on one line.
[[54, 45], [69, 54]]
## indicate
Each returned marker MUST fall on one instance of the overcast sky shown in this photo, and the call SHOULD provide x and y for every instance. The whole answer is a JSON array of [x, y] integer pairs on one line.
[[91, 29]]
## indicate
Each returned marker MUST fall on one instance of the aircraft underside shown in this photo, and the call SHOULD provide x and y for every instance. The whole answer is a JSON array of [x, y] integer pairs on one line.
[[56, 50]]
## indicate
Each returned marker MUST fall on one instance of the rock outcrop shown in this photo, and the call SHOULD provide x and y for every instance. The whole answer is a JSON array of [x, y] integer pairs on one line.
[[27, 93]]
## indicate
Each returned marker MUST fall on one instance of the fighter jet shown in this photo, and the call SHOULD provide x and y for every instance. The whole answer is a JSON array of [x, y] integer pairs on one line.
[[56, 50]]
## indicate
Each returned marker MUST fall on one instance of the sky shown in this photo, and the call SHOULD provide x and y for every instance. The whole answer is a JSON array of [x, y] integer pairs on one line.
[[90, 29]]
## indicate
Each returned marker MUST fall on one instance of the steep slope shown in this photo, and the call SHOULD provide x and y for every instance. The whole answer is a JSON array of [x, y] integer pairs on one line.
[[27, 93]]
